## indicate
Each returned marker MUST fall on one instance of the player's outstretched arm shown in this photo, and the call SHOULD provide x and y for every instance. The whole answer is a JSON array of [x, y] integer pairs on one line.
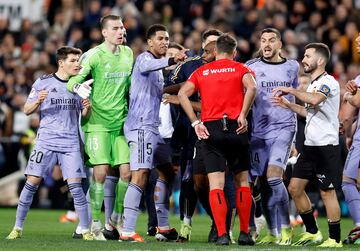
[[84, 89], [174, 99], [284, 103], [31, 107], [306, 97], [173, 89], [149, 64]]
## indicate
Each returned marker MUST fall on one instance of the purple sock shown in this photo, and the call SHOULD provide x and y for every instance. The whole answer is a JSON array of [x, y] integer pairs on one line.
[[161, 199], [109, 196], [25, 200], [88, 203], [269, 210], [280, 198], [352, 197], [131, 207], [80, 203]]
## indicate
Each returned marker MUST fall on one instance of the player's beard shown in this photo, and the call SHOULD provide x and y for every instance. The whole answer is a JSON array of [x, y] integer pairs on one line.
[[273, 54], [312, 67]]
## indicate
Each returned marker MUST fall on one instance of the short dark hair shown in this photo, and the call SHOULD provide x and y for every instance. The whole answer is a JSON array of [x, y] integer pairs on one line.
[[271, 30], [151, 31], [176, 46], [210, 32], [226, 44], [321, 49], [105, 19], [63, 52]]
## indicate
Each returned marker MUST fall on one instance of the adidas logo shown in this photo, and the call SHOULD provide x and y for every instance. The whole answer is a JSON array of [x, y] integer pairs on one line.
[[262, 74], [331, 185], [53, 90], [205, 72], [107, 66]]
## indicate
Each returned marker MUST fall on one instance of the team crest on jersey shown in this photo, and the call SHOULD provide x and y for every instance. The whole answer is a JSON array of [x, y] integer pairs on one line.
[[324, 89], [289, 74]]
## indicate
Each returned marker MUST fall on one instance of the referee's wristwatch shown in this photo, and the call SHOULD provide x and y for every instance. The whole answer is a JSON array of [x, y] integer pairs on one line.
[[195, 123]]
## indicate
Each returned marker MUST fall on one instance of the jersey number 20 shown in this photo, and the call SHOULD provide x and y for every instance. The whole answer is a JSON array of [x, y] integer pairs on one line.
[[36, 156]]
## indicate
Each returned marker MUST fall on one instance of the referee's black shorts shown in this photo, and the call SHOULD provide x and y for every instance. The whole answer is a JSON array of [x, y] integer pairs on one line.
[[320, 163], [221, 149], [198, 160]]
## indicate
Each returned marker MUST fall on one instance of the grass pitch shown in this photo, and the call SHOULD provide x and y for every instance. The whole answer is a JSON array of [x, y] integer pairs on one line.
[[42, 231]]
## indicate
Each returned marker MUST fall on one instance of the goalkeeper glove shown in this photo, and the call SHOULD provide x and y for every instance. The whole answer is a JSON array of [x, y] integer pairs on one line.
[[84, 89]]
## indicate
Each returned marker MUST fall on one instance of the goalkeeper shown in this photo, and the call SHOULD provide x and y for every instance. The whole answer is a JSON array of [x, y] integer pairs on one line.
[[110, 65]]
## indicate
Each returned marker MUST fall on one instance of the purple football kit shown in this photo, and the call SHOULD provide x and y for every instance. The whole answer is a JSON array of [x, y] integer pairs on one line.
[[57, 139], [273, 128]]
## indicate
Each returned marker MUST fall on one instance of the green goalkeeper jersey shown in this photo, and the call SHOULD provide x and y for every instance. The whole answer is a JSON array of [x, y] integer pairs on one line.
[[109, 96]]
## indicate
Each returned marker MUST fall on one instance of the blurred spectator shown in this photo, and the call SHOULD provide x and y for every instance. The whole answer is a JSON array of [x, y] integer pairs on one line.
[[93, 15], [347, 43], [77, 40], [149, 15], [310, 27], [125, 7], [167, 15]]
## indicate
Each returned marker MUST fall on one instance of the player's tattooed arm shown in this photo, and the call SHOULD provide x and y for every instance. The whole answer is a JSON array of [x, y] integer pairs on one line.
[[87, 108], [31, 107]]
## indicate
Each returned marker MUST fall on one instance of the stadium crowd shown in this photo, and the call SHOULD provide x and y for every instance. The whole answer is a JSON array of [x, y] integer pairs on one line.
[[30, 52]]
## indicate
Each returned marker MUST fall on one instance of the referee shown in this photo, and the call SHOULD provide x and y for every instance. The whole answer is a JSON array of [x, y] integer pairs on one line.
[[223, 130]]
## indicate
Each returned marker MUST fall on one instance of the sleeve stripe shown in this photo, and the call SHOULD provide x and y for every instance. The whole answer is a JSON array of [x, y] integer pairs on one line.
[[177, 69], [87, 55], [176, 72]]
